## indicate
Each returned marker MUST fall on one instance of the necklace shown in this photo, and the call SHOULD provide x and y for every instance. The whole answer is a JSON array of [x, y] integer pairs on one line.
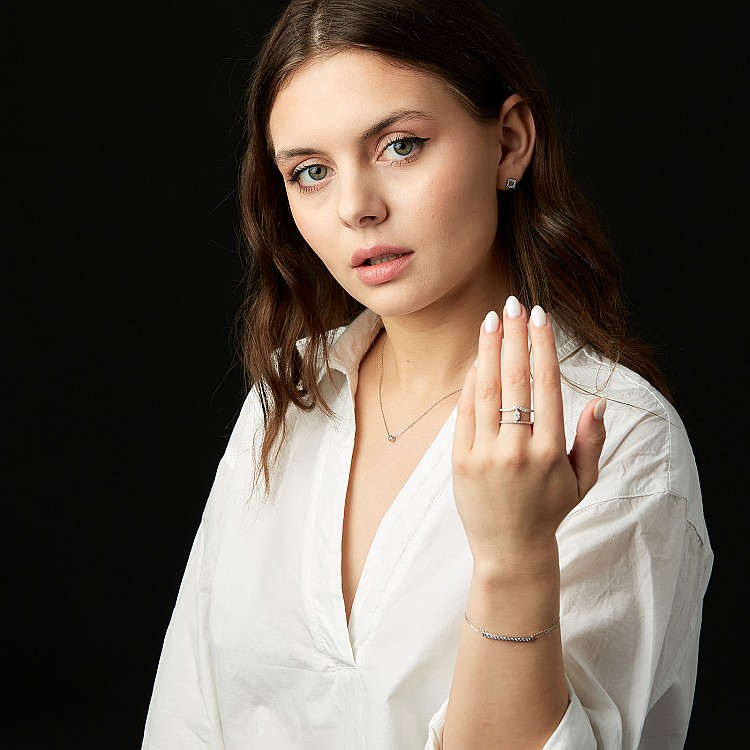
[[391, 437]]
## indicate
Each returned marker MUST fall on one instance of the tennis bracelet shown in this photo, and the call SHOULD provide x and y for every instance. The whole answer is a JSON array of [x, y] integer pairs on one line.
[[512, 638]]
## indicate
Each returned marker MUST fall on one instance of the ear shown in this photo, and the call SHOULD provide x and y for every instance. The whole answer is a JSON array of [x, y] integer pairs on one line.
[[517, 136]]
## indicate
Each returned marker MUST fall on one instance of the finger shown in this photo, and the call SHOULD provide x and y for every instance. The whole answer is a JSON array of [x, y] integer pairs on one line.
[[516, 388], [487, 392], [587, 447], [463, 439], [548, 409]]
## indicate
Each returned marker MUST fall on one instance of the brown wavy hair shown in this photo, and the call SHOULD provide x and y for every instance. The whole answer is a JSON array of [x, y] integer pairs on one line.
[[559, 253]]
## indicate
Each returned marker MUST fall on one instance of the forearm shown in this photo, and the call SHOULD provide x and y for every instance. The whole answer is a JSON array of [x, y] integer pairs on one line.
[[514, 482], [509, 695]]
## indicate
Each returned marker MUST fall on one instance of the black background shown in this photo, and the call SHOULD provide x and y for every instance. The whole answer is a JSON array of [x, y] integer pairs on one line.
[[122, 276]]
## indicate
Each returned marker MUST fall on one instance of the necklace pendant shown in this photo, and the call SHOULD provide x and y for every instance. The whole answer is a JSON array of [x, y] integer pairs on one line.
[[391, 439]]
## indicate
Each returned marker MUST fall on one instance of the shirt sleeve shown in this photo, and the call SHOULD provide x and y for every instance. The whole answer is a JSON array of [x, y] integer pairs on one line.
[[183, 712], [631, 601], [634, 571]]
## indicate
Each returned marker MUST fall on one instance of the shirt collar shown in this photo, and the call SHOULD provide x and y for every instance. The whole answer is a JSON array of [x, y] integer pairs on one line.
[[351, 342]]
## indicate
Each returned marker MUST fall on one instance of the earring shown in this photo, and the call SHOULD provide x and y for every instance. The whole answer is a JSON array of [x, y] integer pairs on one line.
[[511, 183]]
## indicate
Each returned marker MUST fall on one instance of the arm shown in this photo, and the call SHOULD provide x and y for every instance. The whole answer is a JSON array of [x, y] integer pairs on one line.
[[634, 571], [513, 486], [184, 710]]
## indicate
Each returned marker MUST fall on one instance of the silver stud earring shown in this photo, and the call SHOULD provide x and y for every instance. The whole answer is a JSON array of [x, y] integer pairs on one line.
[[511, 183]]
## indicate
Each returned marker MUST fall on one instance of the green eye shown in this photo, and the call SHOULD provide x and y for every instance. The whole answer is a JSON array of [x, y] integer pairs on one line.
[[317, 172], [306, 177], [403, 148]]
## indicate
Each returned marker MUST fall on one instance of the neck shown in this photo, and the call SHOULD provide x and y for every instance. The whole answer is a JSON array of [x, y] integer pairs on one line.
[[431, 351]]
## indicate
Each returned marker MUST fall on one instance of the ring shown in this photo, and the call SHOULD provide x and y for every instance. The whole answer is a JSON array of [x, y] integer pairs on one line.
[[517, 411]]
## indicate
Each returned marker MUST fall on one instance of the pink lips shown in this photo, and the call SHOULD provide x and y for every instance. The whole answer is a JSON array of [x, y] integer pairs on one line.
[[394, 261]]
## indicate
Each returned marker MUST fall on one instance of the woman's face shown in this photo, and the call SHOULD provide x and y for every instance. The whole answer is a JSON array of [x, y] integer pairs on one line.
[[391, 182]]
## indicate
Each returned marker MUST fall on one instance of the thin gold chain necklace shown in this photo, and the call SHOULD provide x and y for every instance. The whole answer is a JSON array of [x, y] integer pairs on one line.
[[391, 437]]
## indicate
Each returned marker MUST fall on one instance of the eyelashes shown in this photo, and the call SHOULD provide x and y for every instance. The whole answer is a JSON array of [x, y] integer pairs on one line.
[[396, 151]]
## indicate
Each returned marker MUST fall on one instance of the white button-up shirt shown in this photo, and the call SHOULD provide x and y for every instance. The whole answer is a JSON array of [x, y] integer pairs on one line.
[[259, 656]]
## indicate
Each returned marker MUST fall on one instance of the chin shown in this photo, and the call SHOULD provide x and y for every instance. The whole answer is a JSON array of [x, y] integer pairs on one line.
[[399, 308], [386, 308]]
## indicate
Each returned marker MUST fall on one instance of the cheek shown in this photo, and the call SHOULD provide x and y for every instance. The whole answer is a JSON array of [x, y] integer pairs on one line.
[[460, 203], [318, 226], [310, 223]]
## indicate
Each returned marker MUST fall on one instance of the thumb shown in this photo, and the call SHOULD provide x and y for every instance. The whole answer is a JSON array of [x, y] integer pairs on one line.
[[587, 447]]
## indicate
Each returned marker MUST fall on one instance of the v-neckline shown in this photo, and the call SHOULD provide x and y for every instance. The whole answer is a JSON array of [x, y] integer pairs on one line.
[[346, 642], [396, 529]]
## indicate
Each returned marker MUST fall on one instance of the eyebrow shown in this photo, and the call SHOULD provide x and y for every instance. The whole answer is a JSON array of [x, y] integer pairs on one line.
[[386, 122]]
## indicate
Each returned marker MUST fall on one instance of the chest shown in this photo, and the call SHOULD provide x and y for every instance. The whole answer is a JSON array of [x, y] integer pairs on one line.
[[380, 468], [379, 471]]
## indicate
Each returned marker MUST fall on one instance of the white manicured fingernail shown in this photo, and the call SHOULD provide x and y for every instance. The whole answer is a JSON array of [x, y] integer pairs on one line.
[[538, 317], [599, 409], [512, 307], [476, 362], [491, 322]]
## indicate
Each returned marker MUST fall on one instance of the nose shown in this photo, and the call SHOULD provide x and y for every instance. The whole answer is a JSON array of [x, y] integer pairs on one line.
[[361, 201]]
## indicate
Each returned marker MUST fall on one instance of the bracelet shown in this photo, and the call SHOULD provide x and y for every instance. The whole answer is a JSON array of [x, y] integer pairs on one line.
[[513, 638]]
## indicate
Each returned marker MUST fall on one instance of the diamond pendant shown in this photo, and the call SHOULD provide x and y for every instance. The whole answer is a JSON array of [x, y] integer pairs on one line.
[[391, 439]]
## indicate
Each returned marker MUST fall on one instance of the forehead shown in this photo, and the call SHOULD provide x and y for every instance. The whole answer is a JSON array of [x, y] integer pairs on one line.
[[349, 90]]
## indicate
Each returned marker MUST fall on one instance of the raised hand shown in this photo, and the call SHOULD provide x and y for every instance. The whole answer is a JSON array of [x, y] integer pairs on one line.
[[514, 481]]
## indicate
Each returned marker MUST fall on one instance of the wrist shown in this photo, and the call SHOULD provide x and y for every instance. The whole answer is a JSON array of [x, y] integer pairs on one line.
[[515, 600], [518, 567]]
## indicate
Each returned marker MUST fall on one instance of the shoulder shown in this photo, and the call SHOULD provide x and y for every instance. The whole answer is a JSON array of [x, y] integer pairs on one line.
[[647, 451], [249, 424]]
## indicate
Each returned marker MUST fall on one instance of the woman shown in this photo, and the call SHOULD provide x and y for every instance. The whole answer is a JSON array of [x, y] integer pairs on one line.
[[421, 533]]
